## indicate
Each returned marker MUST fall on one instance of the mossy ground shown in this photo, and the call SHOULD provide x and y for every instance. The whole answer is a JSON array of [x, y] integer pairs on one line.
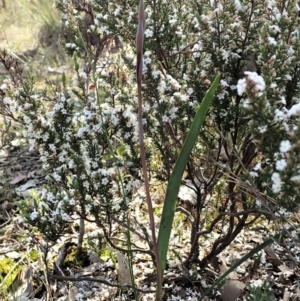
[[9, 269]]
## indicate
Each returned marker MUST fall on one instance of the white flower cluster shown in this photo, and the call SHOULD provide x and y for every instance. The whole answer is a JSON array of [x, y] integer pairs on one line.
[[205, 46], [184, 52], [253, 79], [74, 149]]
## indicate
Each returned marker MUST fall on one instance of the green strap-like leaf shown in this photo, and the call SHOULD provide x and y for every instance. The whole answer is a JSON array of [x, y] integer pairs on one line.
[[175, 179]]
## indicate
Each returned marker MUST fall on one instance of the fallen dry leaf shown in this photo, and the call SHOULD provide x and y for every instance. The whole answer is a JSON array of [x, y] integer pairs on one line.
[[286, 295], [223, 268], [272, 257], [17, 179], [94, 257], [285, 270], [72, 293], [232, 290], [123, 272]]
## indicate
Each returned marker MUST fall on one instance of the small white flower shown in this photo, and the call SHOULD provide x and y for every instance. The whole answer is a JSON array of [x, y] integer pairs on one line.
[[162, 86], [257, 166], [294, 110], [219, 9], [241, 86], [291, 51], [283, 100], [257, 283], [116, 207], [155, 74], [172, 21], [279, 115], [288, 77], [237, 5], [147, 60], [64, 216], [148, 33], [173, 82], [50, 197], [272, 41], [275, 28], [285, 146], [27, 119], [43, 159], [256, 79], [34, 215], [276, 186], [281, 164], [7, 100], [86, 184], [258, 203], [296, 178], [253, 174], [103, 29], [104, 181], [262, 129], [52, 148], [71, 164], [117, 11], [190, 91], [56, 176], [72, 202], [185, 76], [165, 118], [223, 83]]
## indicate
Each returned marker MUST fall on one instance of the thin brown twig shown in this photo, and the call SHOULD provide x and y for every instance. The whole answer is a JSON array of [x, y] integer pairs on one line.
[[186, 49], [109, 240]]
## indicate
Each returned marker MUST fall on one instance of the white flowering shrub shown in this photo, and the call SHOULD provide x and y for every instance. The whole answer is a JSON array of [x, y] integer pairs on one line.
[[73, 144], [247, 153]]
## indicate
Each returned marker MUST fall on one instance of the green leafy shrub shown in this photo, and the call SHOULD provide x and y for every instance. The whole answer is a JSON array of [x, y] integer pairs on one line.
[[244, 164]]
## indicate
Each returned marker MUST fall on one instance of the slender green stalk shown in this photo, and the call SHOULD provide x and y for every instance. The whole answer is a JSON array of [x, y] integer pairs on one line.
[[176, 176], [139, 75]]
